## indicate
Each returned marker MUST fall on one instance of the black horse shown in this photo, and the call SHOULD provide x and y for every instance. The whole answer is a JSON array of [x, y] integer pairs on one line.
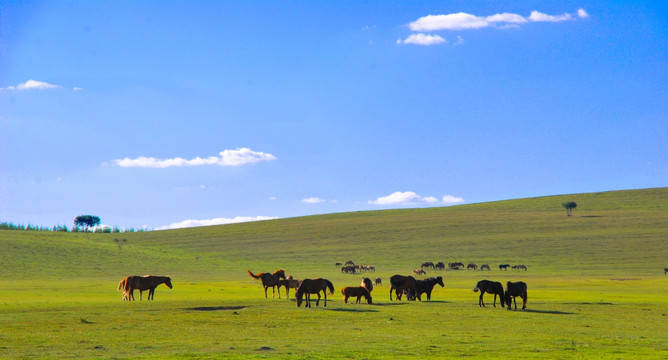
[[400, 282], [491, 287], [427, 285], [514, 289], [504, 266]]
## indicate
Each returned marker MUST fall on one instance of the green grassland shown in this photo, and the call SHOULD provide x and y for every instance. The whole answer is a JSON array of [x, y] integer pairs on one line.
[[596, 285]]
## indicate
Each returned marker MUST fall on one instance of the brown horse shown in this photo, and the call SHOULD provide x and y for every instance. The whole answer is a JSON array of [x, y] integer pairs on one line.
[[146, 282], [313, 286], [378, 282], [123, 285], [471, 266], [485, 267], [491, 287], [519, 267], [419, 272], [514, 289], [400, 282], [427, 285], [357, 291], [269, 280], [289, 283], [367, 284]]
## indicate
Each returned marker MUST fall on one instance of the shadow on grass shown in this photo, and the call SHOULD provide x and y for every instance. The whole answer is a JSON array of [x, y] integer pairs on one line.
[[354, 310], [553, 312], [216, 308]]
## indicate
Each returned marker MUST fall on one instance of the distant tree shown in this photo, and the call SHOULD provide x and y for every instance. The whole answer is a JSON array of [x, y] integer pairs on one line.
[[569, 206], [86, 221]]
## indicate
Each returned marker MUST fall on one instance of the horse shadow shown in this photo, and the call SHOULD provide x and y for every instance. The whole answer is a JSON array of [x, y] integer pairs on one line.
[[354, 310], [553, 312]]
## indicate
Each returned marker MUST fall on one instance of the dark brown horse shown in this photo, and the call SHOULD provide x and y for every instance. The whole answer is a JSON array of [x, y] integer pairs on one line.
[[378, 282], [519, 267], [439, 266], [143, 283], [427, 265], [356, 291], [400, 282], [514, 289], [289, 283], [427, 285], [367, 284], [269, 280], [490, 287], [313, 286], [485, 267], [504, 266]]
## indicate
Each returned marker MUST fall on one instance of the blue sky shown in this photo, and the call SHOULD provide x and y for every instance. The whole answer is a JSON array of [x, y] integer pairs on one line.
[[170, 114]]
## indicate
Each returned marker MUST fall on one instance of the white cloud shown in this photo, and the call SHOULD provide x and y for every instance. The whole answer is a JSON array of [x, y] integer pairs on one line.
[[32, 85], [411, 198], [464, 21], [313, 200], [422, 39], [216, 221], [540, 17], [449, 199], [76, 88], [240, 156]]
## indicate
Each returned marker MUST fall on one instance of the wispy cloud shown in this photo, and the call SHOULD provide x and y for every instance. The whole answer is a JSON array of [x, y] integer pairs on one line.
[[32, 85], [422, 39], [216, 221], [465, 21], [317, 200], [240, 156], [412, 198]]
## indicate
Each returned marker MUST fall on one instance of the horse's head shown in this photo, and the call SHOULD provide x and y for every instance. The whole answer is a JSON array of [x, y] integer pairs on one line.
[[300, 298], [368, 299], [168, 282], [439, 280], [280, 273], [506, 296]]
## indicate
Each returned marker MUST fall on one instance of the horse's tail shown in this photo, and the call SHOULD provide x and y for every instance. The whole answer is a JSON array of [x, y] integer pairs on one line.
[[330, 286], [253, 275]]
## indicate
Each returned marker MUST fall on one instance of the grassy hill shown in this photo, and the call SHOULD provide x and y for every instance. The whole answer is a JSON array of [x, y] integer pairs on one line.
[[596, 285], [609, 232]]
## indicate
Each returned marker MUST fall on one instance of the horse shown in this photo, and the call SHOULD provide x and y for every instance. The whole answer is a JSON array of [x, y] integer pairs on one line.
[[427, 265], [338, 264], [289, 283], [427, 285], [147, 282], [484, 267], [514, 289], [357, 291], [519, 267], [367, 284], [123, 285], [665, 271], [472, 266], [350, 262], [439, 266], [269, 280], [491, 287], [456, 265], [349, 269], [419, 272], [378, 282], [400, 282], [313, 286], [504, 266]]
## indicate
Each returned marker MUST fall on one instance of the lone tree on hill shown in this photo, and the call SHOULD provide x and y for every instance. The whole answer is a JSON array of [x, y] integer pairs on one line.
[[569, 206], [86, 221]]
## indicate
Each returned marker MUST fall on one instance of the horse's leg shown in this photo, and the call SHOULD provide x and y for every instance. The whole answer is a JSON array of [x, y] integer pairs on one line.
[[480, 301], [495, 300], [318, 301], [325, 293], [265, 292], [525, 297], [391, 288]]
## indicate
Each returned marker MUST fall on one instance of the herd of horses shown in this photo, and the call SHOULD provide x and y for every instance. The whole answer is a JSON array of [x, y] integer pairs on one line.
[[513, 290], [461, 266]]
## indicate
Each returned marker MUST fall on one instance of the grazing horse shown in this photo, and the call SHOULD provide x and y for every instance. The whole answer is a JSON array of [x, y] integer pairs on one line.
[[289, 283], [357, 291], [313, 286], [427, 285], [349, 269], [519, 267], [338, 264], [123, 285], [427, 265], [484, 267], [269, 280], [367, 284], [147, 282], [456, 265], [491, 287], [378, 282], [472, 266], [439, 266], [400, 282], [514, 289], [665, 271], [350, 262], [504, 266], [419, 272]]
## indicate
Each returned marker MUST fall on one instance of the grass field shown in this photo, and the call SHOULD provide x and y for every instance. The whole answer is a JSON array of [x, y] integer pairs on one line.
[[596, 283]]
